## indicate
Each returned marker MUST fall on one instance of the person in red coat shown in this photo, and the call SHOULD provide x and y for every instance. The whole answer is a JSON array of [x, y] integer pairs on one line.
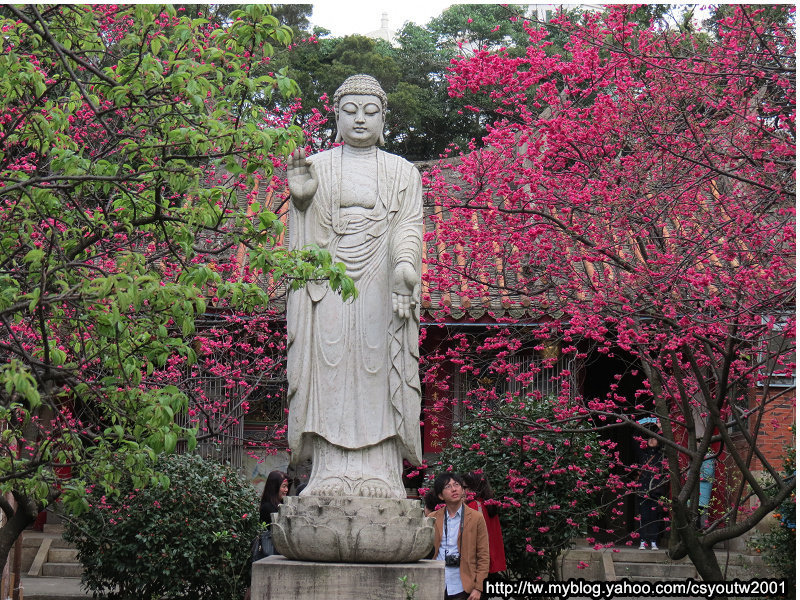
[[481, 492]]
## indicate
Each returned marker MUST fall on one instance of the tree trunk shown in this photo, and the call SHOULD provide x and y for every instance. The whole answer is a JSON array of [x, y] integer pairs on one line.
[[705, 561], [24, 515], [702, 555]]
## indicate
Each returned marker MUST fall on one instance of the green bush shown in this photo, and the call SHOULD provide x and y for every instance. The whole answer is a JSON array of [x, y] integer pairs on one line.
[[548, 481], [777, 546], [188, 540]]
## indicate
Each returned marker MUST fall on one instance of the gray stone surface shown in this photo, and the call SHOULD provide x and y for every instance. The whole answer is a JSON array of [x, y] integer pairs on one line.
[[277, 578], [352, 529], [53, 588]]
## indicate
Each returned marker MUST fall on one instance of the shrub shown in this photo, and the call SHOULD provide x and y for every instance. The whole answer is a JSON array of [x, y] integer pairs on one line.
[[188, 540], [777, 546], [548, 481]]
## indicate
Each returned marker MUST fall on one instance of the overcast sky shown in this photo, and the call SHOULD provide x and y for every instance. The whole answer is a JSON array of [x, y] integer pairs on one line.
[[349, 17]]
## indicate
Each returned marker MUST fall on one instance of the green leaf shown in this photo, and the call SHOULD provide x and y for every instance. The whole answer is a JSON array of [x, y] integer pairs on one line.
[[34, 256], [170, 442], [34, 298]]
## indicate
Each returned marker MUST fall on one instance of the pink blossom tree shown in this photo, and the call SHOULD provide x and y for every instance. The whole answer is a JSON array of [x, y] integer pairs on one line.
[[131, 137], [637, 198]]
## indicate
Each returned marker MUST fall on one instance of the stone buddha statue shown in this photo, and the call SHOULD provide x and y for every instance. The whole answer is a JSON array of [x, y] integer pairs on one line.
[[354, 391]]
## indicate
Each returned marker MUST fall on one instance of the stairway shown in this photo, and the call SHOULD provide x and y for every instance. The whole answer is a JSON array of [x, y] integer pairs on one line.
[[47, 554], [651, 565], [625, 563]]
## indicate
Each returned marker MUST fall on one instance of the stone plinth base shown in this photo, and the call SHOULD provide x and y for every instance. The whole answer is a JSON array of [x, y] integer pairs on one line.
[[277, 578], [352, 529]]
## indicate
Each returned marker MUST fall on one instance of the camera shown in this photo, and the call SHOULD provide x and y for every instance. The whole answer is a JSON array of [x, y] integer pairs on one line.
[[452, 560]]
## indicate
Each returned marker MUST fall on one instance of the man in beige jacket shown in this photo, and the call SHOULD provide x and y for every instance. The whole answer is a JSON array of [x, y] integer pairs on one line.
[[461, 540]]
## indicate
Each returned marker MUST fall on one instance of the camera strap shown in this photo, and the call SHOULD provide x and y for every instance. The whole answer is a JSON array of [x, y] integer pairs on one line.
[[460, 526]]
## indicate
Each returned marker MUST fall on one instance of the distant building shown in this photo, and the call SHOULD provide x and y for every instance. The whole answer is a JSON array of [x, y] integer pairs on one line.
[[384, 33], [545, 12]]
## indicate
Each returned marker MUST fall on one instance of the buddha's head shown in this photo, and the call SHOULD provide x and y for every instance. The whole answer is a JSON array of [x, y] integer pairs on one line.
[[360, 107]]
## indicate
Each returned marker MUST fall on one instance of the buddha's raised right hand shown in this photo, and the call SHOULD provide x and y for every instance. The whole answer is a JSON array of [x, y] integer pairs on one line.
[[302, 179]]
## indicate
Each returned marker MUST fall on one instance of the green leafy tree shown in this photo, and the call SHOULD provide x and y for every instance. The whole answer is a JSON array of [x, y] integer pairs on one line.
[[319, 65], [190, 539], [294, 15], [125, 134], [422, 120], [472, 27]]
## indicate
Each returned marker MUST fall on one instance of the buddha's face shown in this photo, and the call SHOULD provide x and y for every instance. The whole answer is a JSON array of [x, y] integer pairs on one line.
[[360, 120]]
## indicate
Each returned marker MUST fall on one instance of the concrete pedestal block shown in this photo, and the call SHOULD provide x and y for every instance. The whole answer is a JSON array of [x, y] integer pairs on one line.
[[278, 578]]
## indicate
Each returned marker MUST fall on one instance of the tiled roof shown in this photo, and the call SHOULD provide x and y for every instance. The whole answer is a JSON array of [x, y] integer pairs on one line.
[[468, 294]]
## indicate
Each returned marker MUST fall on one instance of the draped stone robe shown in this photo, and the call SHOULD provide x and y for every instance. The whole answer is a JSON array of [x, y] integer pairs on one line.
[[353, 366]]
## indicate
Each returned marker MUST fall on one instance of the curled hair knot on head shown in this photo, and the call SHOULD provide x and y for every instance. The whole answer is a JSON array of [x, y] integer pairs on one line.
[[359, 85]]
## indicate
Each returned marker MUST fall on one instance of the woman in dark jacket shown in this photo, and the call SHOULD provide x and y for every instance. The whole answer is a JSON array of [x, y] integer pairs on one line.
[[652, 482], [275, 489]]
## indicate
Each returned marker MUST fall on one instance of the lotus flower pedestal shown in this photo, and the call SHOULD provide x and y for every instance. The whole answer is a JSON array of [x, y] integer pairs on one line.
[[343, 547], [352, 529]]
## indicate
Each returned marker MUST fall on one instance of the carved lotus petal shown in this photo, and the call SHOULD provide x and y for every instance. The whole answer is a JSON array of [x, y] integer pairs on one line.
[[359, 530]]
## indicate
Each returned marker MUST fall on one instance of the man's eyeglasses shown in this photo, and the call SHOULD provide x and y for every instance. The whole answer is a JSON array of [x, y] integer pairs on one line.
[[453, 485]]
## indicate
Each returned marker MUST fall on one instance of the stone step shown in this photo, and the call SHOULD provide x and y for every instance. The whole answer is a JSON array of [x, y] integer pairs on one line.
[[34, 539], [63, 555], [663, 571], [646, 556], [28, 554], [61, 588], [40, 548], [62, 569]]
